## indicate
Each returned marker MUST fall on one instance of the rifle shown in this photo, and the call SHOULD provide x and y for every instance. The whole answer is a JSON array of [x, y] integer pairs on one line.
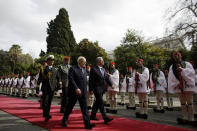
[[180, 79], [136, 82]]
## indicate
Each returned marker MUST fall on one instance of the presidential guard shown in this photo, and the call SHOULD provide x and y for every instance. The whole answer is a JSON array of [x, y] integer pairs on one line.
[[63, 76], [26, 85], [20, 85], [141, 88], [33, 84], [169, 96], [9, 84], [114, 89], [181, 81], [130, 79], [195, 94], [6, 82], [49, 79], [78, 91], [98, 79], [123, 88], [90, 96], [158, 85], [2, 84], [1, 80], [14, 84]]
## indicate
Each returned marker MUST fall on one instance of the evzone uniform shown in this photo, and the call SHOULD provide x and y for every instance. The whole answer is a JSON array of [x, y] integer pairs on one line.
[[141, 88], [10, 86], [5, 84], [130, 78], [33, 85], [112, 91], [195, 97], [123, 86], [169, 98], [26, 86], [195, 94], [14, 85], [90, 96], [19, 85], [1, 84], [158, 85], [181, 81]]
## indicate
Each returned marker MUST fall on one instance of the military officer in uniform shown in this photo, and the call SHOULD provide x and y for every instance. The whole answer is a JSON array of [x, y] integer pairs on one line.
[[49, 79], [63, 75]]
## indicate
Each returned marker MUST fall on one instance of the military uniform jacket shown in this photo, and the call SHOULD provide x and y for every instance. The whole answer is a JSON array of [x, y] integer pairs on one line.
[[188, 76], [63, 74], [49, 79], [160, 83]]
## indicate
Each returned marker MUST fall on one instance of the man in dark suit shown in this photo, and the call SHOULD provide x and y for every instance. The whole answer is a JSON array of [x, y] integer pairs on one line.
[[49, 79], [98, 79], [77, 90]]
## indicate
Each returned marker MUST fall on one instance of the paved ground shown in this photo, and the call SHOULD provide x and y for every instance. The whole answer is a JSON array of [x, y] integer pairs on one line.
[[12, 123]]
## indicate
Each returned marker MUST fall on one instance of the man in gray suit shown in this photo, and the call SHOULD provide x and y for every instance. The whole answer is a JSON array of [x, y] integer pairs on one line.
[[49, 79], [63, 75]]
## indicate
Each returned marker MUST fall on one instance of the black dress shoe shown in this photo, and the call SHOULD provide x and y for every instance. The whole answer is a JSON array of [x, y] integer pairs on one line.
[[162, 111], [64, 124], [47, 118], [144, 116], [138, 115], [114, 111], [94, 118], [90, 126], [108, 120], [181, 121], [108, 110]]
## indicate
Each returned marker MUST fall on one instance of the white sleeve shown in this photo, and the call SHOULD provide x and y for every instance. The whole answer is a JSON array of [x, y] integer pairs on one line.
[[144, 76], [162, 79], [132, 80], [188, 74], [124, 83], [115, 78], [172, 80]]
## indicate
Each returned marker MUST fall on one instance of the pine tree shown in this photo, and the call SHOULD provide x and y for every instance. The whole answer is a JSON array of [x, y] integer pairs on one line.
[[60, 37]]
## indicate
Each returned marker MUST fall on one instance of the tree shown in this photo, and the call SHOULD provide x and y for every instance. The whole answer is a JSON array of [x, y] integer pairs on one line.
[[4, 62], [184, 13], [60, 37], [14, 52], [90, 50], [42, 53], [133, 47]]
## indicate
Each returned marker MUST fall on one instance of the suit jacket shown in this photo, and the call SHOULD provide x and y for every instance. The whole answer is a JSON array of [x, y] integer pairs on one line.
[[49, 79], [77, 79], [97, 81]]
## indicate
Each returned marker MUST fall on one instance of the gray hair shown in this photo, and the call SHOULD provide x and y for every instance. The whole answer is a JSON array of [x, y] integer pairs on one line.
[[99, 59], [80, 58]]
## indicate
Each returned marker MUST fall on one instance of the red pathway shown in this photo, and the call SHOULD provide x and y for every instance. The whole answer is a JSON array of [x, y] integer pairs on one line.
[[30, 111]]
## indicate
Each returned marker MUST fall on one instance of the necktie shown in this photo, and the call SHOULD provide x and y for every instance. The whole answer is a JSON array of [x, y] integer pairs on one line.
[[102, 71]]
